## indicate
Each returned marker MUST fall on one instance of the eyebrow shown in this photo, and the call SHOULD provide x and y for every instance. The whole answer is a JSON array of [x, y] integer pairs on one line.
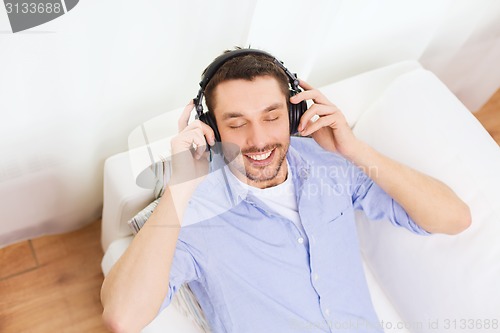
[[230, 115]]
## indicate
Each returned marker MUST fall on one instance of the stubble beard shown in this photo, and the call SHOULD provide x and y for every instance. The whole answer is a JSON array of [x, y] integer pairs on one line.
[[259, 175]]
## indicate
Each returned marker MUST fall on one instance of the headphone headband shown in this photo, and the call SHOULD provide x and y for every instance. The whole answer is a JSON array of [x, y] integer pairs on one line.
[[223, 58]]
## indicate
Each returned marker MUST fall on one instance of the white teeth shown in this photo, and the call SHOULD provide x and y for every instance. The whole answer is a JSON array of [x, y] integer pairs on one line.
[[260, 157]]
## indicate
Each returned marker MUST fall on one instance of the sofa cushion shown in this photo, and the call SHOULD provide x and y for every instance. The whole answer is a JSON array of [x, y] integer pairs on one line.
[[356, 94]]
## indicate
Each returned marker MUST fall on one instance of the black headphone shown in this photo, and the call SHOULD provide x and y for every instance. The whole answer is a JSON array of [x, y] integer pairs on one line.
[[295, 111]]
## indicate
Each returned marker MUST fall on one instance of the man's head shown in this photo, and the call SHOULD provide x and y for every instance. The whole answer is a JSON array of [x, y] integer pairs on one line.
[[248, 98], [245, 67]]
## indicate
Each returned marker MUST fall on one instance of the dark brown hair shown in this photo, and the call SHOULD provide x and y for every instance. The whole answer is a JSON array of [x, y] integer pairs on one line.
[[246, 67]]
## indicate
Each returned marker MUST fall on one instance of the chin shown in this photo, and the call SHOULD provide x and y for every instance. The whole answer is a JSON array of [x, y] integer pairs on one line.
[[267, 176], [259, 167]]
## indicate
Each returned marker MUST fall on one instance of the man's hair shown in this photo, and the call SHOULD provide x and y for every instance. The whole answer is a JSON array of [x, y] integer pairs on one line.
[[246, 67]]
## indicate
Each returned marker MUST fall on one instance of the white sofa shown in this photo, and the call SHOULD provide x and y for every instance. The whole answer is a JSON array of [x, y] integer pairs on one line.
[[418, 284]]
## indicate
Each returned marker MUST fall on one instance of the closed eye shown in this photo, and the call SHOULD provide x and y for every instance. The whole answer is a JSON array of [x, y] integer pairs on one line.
[[237, 126], [271, 119]]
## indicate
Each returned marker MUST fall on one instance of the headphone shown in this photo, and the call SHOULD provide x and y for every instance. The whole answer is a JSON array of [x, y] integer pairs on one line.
[[295, 111]]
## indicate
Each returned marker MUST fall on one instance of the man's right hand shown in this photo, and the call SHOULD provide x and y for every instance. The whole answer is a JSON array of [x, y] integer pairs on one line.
[[189, 153]]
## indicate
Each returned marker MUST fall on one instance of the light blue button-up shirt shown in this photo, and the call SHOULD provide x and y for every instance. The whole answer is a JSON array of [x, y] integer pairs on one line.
[[253, 270]]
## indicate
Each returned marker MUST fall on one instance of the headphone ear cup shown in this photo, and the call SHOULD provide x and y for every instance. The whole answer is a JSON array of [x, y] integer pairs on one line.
[[208, 119], [295, 112]]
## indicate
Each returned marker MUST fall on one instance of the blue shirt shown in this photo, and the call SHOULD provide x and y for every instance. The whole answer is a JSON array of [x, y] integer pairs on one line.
[[253, 270]]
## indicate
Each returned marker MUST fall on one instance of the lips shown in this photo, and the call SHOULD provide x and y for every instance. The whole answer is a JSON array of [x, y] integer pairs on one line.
[[261, 159]]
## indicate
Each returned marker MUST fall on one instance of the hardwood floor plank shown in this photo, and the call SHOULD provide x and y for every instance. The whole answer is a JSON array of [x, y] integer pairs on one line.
[[16, 258], [489, 116]]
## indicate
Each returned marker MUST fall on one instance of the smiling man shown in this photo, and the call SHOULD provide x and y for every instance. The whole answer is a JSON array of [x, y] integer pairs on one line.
[[268, 241]]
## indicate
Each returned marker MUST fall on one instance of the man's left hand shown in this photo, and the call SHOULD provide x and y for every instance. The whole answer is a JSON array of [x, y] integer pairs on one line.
[[325, 123]]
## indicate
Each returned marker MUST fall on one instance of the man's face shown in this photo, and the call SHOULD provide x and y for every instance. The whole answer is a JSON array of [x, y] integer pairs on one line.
[[254, 116]]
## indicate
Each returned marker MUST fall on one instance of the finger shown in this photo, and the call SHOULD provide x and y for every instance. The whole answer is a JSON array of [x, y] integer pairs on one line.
[[192, 139], [199, 145], [305, 85], [315, 110], [206, 130], [335, 121], [182, 123], [324, 121], [315, 95], [197, 135], [183, 141]]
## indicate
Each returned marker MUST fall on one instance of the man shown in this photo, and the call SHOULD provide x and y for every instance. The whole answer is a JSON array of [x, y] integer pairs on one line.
[[268, 242]]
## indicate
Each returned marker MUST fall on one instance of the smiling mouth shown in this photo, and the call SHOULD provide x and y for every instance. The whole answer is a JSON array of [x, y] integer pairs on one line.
[[261, 158]]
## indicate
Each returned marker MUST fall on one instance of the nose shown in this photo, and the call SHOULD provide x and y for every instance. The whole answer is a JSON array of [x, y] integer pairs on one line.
[[257, 136]]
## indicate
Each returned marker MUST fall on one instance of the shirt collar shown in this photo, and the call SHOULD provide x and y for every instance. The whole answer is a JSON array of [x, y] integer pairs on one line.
[[235, 191]]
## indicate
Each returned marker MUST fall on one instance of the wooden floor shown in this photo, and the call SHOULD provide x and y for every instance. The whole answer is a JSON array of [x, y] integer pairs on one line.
[[52, 283], [489, 116]]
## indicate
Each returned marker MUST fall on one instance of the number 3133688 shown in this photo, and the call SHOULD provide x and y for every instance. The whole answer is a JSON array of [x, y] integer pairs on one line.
[[33, 8], [472, 324]]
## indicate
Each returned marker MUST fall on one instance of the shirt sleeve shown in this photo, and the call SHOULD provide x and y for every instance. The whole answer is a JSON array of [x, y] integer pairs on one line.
[[377, 204], [184, 269]]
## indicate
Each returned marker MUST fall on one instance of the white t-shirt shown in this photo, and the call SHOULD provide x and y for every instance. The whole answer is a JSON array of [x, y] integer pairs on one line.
[[280, 198]]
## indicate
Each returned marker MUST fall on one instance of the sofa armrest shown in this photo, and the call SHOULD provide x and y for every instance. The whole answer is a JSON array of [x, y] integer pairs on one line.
[[123, 198]]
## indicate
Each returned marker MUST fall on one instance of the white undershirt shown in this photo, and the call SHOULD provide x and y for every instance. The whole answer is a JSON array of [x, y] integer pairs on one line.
[[280, 198]]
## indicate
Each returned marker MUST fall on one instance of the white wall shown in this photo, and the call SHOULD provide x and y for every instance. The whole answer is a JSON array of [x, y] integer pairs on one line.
[[73, 89], [464, 48]]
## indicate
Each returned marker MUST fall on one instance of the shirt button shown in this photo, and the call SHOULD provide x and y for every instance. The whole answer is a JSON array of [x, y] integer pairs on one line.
[[315, 276], [300, 240], [327, 312]]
